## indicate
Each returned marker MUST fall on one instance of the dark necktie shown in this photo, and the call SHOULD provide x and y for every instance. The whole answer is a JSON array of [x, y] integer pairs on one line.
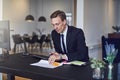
[[63, 44]]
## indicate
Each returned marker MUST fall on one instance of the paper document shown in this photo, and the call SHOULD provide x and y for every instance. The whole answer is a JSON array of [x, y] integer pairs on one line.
[[45, 63], [79, 63]]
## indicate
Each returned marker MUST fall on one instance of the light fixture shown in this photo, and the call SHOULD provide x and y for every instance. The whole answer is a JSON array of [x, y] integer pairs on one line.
[[29, 17], [42, 18]]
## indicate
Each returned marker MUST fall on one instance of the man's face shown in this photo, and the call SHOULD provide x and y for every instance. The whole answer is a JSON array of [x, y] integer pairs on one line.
[[58, 24]]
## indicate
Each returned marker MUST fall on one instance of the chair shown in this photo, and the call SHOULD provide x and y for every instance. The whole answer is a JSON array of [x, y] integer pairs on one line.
[[41, 40], [48, 41], [26, 39], [32, 41], [116, 42], [17, 42]]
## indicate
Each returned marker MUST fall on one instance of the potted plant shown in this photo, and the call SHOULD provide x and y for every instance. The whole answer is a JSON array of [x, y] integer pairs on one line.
[[96, 63], [111, 53], [98, 68]]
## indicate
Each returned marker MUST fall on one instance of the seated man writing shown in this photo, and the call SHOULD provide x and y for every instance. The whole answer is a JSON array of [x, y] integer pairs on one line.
[[69, 41]]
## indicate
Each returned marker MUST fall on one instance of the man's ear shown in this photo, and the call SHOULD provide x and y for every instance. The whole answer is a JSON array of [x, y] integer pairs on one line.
[[65, 22]]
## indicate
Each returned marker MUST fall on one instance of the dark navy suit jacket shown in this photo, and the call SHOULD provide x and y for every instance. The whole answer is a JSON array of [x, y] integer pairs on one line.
[[75, 41]]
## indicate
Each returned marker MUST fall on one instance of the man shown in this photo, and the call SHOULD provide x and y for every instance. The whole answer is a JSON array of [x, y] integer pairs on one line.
[[72, 46]]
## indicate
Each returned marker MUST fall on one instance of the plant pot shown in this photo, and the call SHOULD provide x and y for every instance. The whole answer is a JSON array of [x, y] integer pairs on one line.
[[98, 73]]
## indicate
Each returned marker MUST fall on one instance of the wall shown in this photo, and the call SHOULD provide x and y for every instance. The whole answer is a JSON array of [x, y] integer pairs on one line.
[[80, 14], [98, 16], [95, 20], [0, 9], [49, 7], [117, 2], [112, 15], [0, 19], [15, 12]]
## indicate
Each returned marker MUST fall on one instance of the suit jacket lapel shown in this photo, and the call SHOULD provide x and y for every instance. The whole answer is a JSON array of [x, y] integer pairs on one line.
[[68, 37], [59, 41]]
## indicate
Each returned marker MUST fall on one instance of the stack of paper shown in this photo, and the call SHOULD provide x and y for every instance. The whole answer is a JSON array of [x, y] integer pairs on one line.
[[45, 63]]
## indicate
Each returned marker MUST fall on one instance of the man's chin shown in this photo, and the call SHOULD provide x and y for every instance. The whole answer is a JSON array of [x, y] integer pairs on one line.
[[58, 31]]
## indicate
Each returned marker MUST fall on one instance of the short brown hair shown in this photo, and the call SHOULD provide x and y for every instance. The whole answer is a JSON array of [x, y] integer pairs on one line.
[[59, 13]]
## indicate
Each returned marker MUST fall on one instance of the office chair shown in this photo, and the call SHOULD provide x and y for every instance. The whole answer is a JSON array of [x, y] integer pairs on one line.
[[41, 40], [17, 42], [32, 42], [26, 39], [116, 42], [48, 41]]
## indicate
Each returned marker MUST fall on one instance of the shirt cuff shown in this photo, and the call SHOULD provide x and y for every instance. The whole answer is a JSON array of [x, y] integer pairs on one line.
[[64, 56]]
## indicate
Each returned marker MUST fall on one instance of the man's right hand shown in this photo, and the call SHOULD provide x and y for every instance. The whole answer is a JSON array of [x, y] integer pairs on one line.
[[53, 57]]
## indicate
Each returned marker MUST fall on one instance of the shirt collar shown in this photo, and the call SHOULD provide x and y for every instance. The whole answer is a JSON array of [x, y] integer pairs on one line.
[[65, 31]]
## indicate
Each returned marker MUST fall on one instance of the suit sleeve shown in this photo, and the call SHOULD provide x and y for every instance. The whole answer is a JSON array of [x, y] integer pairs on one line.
[[80, 49], [56, 42]]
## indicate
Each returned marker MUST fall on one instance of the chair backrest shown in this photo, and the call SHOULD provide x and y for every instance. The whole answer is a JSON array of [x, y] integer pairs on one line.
[[42, 39], [17, 39], [116, 42], [48, 38], [87, 54], [34, 38], [26, 38]]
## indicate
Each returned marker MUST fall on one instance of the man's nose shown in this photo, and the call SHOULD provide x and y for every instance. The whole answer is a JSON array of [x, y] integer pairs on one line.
[[55, 27]]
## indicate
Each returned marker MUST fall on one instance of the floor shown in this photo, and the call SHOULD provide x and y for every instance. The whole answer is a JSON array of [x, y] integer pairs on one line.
[[16, 78], [35, 50]]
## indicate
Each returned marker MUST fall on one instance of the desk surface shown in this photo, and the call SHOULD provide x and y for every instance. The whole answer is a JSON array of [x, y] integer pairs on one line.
[[19, 65]]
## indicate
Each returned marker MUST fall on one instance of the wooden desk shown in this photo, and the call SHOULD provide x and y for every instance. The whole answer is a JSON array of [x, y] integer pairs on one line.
[[19, 65], [114, 35]]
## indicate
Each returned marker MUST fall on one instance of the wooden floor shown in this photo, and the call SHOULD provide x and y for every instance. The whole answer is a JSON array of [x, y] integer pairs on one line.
[[16, 78]]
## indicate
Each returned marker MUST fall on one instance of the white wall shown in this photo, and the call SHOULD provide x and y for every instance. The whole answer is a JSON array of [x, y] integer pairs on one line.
[[99, 17], [94, 25], [0, 19], [15, 12], [117, 3], [96, 18], [50, 6], [80, 14], [0, 9], [112, 15]]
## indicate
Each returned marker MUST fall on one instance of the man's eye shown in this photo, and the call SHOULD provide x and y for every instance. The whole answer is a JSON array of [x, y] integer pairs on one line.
[[56, 24]]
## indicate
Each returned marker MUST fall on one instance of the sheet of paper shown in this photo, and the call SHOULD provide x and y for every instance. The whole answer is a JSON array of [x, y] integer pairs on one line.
[[45, 63], [79, 63]]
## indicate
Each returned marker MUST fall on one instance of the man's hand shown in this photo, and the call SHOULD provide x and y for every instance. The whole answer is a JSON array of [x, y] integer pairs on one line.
[[54, 56]]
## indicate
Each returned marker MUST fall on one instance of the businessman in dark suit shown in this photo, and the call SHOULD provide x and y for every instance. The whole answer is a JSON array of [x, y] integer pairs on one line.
[[73, 46]]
